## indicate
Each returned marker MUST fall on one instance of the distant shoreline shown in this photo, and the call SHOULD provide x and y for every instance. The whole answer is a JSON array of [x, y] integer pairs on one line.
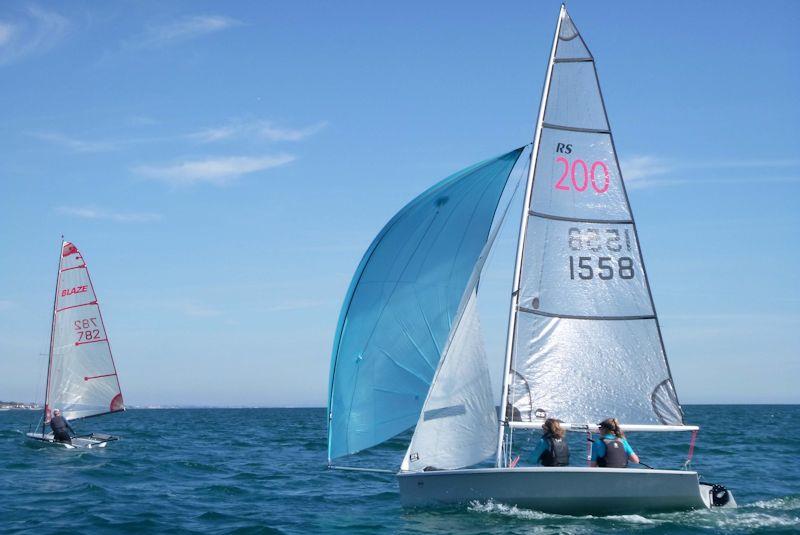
[[241, 407], [18, 405]]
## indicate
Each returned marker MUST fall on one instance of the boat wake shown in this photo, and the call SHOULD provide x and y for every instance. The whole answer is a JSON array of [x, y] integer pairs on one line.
[[775, 514], [529, 514]]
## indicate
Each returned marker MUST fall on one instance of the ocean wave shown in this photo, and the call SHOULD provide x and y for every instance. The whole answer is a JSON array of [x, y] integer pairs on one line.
[[786, 503]]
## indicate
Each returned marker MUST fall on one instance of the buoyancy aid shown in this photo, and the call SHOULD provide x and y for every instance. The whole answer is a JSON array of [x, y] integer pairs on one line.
[[615, 456], [557, 452]]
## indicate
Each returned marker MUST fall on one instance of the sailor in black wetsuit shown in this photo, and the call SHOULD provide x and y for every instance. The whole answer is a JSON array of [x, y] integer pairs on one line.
[[612, 450], [60, 427], [552, 449]]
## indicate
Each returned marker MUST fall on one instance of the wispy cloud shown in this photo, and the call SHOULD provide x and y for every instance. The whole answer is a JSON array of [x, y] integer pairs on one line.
[[266, 130], [217, 171], [34, 33], [645, 172], [182, 30], [275, 133], [297, 304], [75, 144], [84, 212], [6, 32], [5, 304]]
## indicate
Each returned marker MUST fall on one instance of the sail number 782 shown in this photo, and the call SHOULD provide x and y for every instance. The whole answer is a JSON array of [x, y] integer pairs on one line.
[[85, 328]]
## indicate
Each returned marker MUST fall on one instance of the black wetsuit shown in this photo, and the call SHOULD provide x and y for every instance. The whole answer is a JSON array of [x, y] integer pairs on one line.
[[557, 452], [60, 426]]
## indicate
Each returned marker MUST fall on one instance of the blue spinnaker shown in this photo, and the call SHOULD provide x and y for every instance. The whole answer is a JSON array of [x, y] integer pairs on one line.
[[401, 303]]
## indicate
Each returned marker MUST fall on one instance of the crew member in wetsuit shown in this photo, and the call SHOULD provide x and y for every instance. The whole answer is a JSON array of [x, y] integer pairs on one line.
[[552, 449], [60, 425], [612, 450]]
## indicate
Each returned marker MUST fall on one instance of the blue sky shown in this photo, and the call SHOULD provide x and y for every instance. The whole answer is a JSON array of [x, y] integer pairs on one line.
[[223, 166]]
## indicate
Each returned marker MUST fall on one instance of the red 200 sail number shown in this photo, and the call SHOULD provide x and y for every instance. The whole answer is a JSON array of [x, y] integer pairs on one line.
[[582, 174]]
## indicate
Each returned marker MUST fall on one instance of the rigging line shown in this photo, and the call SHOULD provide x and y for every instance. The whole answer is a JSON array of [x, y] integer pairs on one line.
[[52, 331], [572, 60], [573, 317], [581, 220]]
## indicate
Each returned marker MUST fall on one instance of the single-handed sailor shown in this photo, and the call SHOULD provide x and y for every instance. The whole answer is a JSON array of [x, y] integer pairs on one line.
[[61, 428], [612, 450], [552, 449]]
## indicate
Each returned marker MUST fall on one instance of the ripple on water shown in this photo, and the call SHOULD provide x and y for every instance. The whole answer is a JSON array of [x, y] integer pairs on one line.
[[275, 481]]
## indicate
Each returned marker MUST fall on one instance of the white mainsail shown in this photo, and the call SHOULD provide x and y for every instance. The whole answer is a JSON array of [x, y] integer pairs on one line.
[[81, 378], [586, 344]]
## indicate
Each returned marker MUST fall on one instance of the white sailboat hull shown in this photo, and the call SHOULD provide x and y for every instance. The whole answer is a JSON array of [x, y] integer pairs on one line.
[[560, 490], [80, 442]]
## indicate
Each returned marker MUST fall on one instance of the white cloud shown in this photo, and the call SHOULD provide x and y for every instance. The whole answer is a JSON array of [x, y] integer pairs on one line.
[[642, 172], [209, 135], [5, 304], [36, 32], [218, 171], [6, 32], [256, 129], [274, 133], [183, 30], [119, 217], [297, 304], [75, 144], [639, 171]]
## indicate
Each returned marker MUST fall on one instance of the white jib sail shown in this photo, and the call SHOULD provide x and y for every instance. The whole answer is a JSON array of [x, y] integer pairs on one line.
[[587, 345], [82, 379], [458, 424]]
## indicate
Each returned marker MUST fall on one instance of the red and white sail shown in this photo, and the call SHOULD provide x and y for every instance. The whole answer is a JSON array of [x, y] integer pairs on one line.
[[81, 378]]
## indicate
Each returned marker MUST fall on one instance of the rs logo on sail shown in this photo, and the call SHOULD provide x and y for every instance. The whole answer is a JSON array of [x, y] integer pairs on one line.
[[73, 291]]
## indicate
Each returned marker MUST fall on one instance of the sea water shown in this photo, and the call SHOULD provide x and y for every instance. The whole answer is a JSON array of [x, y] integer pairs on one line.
[[264, 471]]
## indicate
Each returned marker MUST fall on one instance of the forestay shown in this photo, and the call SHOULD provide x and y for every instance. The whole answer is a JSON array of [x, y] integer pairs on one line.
[[586, 341], [82, 379], [403, 301]]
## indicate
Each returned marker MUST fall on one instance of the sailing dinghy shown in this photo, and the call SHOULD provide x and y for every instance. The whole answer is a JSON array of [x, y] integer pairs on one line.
[[583, 342], [81, 377]]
